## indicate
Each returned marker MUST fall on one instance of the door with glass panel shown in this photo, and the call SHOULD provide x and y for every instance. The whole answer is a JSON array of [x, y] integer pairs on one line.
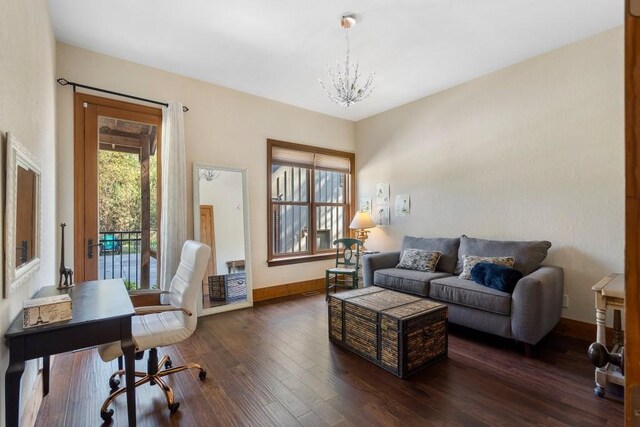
[[117, 191]]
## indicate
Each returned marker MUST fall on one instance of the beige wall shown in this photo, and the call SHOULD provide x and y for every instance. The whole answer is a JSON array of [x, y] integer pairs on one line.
[[27, 109], [534, 151], [223, 127]]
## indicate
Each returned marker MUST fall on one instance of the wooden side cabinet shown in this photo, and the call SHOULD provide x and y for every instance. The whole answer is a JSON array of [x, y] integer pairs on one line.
[[609, 293]]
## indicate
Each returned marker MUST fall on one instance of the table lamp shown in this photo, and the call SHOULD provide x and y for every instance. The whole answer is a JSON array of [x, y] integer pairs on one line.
[[361, 221]]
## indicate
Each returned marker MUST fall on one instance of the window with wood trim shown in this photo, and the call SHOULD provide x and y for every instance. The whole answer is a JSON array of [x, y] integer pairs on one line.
[[310, 200]]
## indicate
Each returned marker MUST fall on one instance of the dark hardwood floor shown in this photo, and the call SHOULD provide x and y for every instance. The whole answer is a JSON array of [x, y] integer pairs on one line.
[[274, 365]]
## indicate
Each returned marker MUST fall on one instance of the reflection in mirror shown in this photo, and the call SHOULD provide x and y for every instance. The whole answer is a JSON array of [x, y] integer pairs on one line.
[[22, 215], [220, 213], [26, 215]]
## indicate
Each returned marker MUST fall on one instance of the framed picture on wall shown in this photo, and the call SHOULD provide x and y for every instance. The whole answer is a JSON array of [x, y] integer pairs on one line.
[[382, 193], [403, 207], [365, 204], [382, 216]]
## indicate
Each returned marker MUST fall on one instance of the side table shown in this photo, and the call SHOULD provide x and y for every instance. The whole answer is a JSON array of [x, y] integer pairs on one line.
[[609, 294]]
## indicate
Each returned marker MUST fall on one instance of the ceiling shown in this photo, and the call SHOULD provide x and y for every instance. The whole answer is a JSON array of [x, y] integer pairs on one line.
[[278, 49]]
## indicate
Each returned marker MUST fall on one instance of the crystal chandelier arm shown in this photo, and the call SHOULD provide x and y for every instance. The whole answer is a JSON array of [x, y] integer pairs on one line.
[[346, 78]]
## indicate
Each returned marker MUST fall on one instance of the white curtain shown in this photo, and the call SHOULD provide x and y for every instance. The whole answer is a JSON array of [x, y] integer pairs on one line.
[[173, 223]]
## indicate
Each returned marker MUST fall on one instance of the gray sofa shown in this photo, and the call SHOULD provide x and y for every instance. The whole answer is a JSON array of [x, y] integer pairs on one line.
[[527, 315]]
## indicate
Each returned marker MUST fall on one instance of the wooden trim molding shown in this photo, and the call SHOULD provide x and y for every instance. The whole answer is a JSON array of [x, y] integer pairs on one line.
[[632, 214], [299, 259], [295, 288], [581, 330]]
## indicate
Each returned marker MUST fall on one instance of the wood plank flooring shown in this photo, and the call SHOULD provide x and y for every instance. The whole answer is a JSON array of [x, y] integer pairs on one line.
[[274, 365]]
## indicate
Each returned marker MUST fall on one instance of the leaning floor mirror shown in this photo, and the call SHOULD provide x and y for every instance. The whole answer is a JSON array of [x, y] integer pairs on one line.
[[220, 219]]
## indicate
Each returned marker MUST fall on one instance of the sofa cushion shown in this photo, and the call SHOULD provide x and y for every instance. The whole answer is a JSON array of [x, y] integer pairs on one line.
[[468, 293], [469, 261], [419, 259], [496, 276], [448, 248], [528, 255], [410, 281]]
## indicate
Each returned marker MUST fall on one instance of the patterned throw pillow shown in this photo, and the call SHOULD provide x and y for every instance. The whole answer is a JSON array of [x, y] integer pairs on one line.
[[419, 259], [469, 261]]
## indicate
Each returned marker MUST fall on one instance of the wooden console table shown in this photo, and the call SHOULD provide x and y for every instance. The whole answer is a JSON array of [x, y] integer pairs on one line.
[[609, 294], [102, 312]]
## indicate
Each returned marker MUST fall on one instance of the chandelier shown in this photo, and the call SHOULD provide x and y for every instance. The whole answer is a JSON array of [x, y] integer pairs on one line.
[[344, 81], [209, 174]]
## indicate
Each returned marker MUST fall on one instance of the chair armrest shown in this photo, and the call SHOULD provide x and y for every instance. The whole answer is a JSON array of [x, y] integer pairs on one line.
[[373, 262], [153, 309], [536, 304], [146, 297]]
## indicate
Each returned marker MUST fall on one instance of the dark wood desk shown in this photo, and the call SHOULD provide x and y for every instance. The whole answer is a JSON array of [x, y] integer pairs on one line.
[[102, 313]]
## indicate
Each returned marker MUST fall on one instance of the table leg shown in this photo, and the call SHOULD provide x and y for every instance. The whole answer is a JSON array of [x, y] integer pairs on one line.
[[46, 365], [601, 322], [618, 335], [128, 348], [12, 383], [601, 337]]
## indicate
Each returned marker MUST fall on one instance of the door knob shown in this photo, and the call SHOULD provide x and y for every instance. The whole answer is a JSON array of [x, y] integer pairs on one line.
[[90, 246]]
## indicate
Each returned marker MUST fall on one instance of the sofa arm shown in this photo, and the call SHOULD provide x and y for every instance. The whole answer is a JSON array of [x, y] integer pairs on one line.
[[536, 304], [373, 262]]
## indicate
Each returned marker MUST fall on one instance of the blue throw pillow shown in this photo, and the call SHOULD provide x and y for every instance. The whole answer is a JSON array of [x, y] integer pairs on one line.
[[496, 276]]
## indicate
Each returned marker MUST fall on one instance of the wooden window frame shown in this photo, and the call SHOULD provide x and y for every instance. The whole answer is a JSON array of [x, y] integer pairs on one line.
[[313, 254]]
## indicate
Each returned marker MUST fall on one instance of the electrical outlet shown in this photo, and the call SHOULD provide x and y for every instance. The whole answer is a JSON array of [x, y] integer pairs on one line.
[[565, 301]]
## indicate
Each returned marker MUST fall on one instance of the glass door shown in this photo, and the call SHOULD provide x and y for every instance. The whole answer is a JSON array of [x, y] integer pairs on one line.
[[127, 202], [120, 193]]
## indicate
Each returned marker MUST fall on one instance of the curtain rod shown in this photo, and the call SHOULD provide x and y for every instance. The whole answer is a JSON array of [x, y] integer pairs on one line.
[[65, 82]]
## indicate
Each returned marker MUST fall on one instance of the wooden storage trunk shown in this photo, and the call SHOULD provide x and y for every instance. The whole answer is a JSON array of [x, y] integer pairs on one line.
[[217, 288], [398, 332]]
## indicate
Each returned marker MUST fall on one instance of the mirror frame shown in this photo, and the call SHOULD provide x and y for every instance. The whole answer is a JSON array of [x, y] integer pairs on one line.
[[247, 233], [17, 154]]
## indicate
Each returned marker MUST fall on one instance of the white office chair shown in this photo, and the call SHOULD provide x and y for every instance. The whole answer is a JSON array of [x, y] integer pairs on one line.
[[156, 325]]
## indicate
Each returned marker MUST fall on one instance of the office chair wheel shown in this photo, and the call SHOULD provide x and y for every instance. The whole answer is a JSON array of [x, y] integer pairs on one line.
[[173, 407], [114, 384], [202, 375], [106, 415], [168, 364]]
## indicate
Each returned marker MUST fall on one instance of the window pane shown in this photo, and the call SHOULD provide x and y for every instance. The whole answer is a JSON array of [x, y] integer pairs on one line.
[[329, 225], [329, 187], [289, 184], [290, 229]]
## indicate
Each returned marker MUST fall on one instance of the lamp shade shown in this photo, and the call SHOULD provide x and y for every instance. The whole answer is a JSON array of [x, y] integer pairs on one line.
[[362, 220]]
